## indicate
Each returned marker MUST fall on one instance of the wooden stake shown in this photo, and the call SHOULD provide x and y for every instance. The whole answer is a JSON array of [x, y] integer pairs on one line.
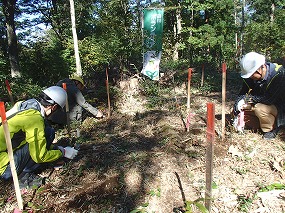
[[11, 156], [67, 110], [9, 92], [188, 93], [202, 75], [209, 153], [188, 96], [108, 93], [224, 68]]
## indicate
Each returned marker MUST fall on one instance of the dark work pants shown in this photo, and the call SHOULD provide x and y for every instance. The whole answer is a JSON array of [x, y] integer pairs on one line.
[[22, 157]]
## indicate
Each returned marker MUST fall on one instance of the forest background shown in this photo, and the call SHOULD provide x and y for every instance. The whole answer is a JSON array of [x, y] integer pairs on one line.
[[196, 33]]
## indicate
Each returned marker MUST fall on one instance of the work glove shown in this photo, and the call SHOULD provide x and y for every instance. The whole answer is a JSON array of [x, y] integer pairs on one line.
[[68, 152], [239, 104], [100, 114]]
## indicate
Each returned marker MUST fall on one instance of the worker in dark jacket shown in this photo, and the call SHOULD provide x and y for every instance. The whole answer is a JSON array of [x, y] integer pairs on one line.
[[76, 101], [32, 137], [262, 97]]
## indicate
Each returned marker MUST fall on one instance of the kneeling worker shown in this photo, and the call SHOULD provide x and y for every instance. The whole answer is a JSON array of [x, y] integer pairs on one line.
[[32, 138], [264, 88], [76, 102]]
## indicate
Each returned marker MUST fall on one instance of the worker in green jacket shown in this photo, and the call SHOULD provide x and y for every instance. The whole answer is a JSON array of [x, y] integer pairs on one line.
[[31, 137]]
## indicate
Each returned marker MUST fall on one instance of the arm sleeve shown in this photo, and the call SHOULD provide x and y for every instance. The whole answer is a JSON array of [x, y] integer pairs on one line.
[[35, 135], [274, 92], [83, 103]]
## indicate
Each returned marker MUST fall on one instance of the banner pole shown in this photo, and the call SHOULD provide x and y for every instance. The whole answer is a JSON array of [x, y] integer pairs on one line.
[[11, 156]]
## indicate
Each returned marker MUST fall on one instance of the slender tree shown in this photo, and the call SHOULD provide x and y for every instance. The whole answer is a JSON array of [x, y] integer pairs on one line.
[[9, 12], [75, 40]]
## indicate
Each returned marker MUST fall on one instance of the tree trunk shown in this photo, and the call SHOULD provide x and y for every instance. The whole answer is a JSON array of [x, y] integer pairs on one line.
[[177, 32], [9, 11], [272, 13], [75, 40]]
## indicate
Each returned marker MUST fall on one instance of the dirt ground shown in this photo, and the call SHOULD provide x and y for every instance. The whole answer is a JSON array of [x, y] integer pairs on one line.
[[142, 160]]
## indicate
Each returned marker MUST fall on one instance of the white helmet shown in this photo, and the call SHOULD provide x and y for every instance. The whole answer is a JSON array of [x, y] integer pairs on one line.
[[57, 94], [250, 63]]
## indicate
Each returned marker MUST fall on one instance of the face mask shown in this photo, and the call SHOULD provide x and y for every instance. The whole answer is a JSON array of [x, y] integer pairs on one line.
[[48, 112]]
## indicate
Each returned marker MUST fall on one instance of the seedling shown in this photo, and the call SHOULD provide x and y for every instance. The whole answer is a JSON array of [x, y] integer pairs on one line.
[[273, 186], [189, 205], [244, 203], [140, 209], [155, 192]]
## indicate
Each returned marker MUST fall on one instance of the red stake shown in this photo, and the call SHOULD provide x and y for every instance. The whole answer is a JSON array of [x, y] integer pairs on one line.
[[10, 155], [67, 110], [108, 93], [209, 153], [9, 92], [188, 95]]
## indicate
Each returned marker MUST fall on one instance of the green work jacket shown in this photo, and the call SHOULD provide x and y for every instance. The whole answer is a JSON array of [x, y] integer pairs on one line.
[[29, 126]]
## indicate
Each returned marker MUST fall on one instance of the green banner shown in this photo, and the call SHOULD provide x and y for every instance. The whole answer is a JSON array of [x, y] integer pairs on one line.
[[152, 35], [153, 29]]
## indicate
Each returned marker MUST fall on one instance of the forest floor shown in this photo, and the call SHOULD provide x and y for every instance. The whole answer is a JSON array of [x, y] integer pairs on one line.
[[142, 160]]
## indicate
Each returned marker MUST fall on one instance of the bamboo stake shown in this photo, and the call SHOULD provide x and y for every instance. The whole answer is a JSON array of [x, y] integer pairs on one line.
[[224, 68], [108, 93], [67, 110], [9, 92], [209, 153], [178, 106], [11, 156]]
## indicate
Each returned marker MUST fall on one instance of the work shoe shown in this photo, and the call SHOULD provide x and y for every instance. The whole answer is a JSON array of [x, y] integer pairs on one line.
[[270, 135], [31, 180]]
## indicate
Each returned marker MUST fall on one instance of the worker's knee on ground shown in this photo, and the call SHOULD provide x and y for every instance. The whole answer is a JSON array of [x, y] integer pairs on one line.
[[263, 110]]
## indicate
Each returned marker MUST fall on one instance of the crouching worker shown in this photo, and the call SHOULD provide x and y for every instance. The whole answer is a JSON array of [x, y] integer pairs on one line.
[[76, 102], [262, 97], [32, 138]]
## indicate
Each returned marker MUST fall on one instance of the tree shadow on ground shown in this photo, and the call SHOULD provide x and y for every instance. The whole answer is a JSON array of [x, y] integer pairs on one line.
[[117, 170]]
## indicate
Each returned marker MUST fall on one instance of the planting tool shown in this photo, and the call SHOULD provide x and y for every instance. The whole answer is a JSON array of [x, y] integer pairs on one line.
[[209, 153], [188, 97], [108, 93], [224, 68], [11, 156], [9, 92], [67, 110]]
